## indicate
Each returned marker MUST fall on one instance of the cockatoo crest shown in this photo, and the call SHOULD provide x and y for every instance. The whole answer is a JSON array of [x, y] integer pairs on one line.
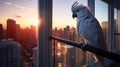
[[79, 8], [76, 6]]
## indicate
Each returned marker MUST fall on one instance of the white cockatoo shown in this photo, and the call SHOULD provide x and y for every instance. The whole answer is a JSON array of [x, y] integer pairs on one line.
[[89, 28]]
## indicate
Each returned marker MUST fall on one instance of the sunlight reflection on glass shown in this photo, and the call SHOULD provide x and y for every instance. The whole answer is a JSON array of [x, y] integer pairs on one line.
[[59, 64]]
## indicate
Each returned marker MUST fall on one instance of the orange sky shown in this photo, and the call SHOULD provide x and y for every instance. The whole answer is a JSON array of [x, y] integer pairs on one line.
[[24, 12]]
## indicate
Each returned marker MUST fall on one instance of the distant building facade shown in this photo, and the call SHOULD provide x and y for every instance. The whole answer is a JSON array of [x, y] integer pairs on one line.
[[1, 31], [68, 56], [118, 21], [11, 29], [35, 56], [104, 26], [18, 33], [9, 53]]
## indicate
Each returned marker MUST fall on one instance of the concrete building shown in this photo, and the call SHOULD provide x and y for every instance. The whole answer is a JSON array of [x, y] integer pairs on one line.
[[18, 32], [35, 56], [9, 53], [1, 31], [11, 29], [118, 21]]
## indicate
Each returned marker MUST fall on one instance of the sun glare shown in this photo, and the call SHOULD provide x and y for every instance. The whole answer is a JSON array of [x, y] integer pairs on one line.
[[35, 22]]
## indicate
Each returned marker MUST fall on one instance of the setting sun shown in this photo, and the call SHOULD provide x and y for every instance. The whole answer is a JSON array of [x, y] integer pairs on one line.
[[24, 15], [35, 22]]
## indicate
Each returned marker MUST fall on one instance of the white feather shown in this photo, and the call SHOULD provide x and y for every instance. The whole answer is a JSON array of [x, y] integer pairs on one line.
[[89, 28]]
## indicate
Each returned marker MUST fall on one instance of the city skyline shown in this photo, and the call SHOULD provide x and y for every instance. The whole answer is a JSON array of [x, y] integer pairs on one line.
[[23, 11], [25, 37], [62, 14], [37, 47], [26, 12], [28, 26]]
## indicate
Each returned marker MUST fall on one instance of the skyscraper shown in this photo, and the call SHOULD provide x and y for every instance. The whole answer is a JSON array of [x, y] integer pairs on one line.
[[9, 53], [32, 36], [1, 32], [118, 21], [11, 29], [35, 56], [18, 33]]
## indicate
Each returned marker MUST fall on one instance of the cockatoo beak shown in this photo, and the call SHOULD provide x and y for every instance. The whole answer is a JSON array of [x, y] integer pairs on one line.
[[74, 15]]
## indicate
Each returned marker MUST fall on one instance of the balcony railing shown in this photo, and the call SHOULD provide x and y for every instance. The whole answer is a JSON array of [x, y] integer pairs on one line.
[[87, 47]]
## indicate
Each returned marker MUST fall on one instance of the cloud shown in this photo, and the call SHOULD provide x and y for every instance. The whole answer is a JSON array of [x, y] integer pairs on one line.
[[18, 6], [26, 9], [7, 3], [17, 16], [14, 5]]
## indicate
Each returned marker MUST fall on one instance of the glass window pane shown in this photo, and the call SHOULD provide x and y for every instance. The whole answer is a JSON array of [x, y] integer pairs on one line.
[[18, 24], [117, 30], [101, 13], [64, 26]]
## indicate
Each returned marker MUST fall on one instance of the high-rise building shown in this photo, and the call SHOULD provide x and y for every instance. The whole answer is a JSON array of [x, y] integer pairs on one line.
[[118, 21], [9, 53], [4, 34], [1, 32], [71, 51], [104, 25], [18, 33], [67, 32], [32, 35], [35, 56], [11, 29], [29, 36]]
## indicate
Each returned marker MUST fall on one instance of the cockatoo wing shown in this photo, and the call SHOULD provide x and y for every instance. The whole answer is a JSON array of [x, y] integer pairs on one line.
[[90, 29]]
